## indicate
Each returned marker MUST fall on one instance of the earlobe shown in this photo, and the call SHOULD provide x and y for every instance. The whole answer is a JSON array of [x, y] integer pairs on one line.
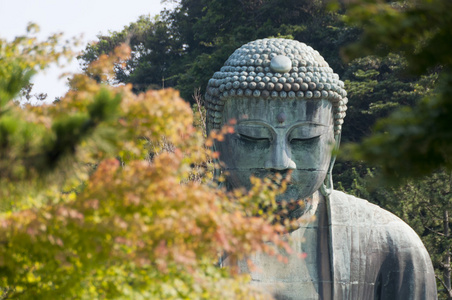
[[327, 186]]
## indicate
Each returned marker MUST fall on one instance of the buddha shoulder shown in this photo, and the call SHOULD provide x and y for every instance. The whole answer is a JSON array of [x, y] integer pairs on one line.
[[378, 223]]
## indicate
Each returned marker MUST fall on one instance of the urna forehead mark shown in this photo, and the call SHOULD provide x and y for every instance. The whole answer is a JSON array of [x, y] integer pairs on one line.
[[281, 117]]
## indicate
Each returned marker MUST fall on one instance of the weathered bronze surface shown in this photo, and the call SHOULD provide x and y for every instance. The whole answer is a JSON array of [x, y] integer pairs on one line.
[[289, 107]]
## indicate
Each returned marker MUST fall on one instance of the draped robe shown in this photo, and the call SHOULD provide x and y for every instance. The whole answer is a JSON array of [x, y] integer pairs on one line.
[[361, 251], [374, 254]]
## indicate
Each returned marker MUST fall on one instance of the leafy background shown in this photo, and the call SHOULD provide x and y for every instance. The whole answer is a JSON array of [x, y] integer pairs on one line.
[[83, 214]]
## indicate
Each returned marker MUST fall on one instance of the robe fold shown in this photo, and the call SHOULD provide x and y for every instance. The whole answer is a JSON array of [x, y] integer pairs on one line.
[[374, 254], [355, 251]]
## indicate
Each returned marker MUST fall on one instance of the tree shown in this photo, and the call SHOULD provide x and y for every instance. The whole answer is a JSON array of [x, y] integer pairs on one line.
[[376, 86], [85, 215], [412, 141], [198, 36], [154, 50]]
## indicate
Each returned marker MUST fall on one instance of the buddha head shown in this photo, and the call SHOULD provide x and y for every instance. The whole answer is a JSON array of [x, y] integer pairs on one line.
[[288, 106]]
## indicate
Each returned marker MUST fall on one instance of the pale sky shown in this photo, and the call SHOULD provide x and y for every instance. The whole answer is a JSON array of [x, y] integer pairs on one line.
[[72, 17]]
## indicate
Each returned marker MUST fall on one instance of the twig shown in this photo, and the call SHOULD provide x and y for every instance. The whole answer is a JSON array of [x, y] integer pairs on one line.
[[449, 292]]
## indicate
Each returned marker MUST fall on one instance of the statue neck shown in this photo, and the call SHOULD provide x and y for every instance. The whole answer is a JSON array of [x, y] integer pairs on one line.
[[311, 204]]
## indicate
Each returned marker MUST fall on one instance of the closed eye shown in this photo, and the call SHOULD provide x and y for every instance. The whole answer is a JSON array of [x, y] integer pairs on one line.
[[253, 132], [253, 138], [307, 132], [295, 140]]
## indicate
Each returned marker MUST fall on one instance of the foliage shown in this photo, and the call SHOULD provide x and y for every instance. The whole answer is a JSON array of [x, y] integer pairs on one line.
[[27, 96], [23, 57], [183, 47], [376, 87], [154, 50], [84, 215], [19, 158], [412, 141]]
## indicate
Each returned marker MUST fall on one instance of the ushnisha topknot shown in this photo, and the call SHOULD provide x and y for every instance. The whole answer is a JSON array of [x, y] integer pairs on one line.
[[275, 69]]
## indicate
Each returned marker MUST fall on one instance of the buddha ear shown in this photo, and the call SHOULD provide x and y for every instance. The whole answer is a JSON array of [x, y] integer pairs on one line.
[[327, 186]]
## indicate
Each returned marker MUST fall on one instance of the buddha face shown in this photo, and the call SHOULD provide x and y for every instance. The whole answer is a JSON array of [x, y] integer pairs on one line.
[[275, 136]]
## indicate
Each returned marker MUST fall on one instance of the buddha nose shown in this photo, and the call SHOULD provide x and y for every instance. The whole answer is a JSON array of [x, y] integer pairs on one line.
[[280, 156]]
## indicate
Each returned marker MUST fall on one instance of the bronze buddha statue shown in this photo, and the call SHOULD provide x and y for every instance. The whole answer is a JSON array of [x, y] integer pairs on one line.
[[289, 106]]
